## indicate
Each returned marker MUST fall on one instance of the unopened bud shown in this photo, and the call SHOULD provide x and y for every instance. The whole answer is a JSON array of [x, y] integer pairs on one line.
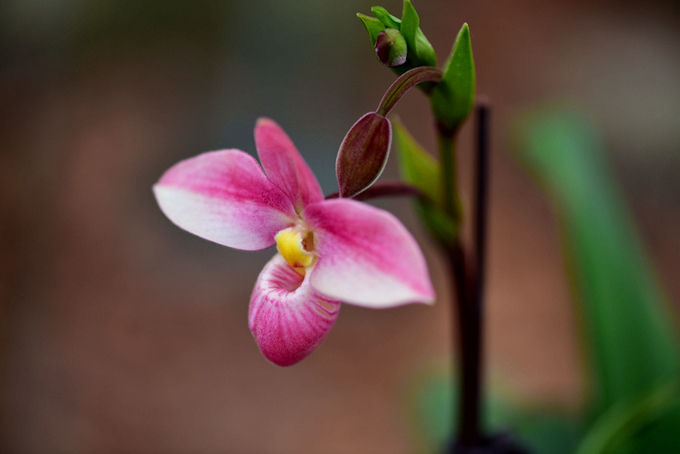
[[391, 47], [417, 49], [363, 154]]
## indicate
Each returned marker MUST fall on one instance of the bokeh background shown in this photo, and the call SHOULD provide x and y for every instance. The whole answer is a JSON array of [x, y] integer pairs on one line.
[[121, 333]]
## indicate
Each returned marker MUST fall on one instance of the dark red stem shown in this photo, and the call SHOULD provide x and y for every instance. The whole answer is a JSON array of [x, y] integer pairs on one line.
[[404, 83], [383, 189], [468, 274]]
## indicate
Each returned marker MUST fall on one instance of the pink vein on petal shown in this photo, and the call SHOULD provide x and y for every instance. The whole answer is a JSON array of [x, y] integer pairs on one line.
[[287, 317], [366, 256], [224, 196], [284, 165]]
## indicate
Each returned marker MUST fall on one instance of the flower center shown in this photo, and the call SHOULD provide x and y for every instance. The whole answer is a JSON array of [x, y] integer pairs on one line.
[[296, 245]]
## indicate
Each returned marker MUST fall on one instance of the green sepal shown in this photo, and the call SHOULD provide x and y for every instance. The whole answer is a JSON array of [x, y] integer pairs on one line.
[[386, 18], [624, 427], [417, 167], [421, 170], [409, 24], [453, 98], [421, 50], [373, 26]]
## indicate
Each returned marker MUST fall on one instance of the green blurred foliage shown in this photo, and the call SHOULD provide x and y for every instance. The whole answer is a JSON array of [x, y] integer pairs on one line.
[[628, 326], [421, 170], [629, 331], [434, 395]]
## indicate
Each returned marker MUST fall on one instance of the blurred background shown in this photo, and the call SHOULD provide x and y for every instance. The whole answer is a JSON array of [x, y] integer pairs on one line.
[[120, 332]]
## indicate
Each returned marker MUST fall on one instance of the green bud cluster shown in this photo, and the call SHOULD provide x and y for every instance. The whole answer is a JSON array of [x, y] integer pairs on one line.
[[419, 51], [402, 45]]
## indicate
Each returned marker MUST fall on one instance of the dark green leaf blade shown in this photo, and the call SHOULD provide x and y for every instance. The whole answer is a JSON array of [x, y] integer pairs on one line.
[[434, 395], [642, 425], [628, 327], [453, 98]]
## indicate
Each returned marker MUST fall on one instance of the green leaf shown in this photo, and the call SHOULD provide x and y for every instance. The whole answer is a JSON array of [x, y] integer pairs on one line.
[[547, 432], [661, 437], [429, 408], [622, 427], [373, 27], [424, 50], [434, 395], [419, 168], [453, 98], [628, 328]]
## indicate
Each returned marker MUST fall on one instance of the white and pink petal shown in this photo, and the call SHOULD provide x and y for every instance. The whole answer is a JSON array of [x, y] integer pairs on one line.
[[225, 197], [284, 165], [366, 256], [287, 317]]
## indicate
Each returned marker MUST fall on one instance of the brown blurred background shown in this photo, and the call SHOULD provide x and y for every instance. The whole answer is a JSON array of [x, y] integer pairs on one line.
[[121, 333]]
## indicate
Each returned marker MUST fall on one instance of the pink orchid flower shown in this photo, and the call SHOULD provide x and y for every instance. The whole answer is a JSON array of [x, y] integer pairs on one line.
[[328, 250]]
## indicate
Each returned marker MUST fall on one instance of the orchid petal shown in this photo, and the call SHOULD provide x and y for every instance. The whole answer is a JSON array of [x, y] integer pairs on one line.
[[224, 196], [366, 256], [287, 317], [284, 165]]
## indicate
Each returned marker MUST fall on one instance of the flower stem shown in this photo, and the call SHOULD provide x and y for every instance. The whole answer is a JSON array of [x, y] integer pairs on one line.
[[469, 339], [481, 195], [447, 158], [383, 189], [404, 83], [468, 275]]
